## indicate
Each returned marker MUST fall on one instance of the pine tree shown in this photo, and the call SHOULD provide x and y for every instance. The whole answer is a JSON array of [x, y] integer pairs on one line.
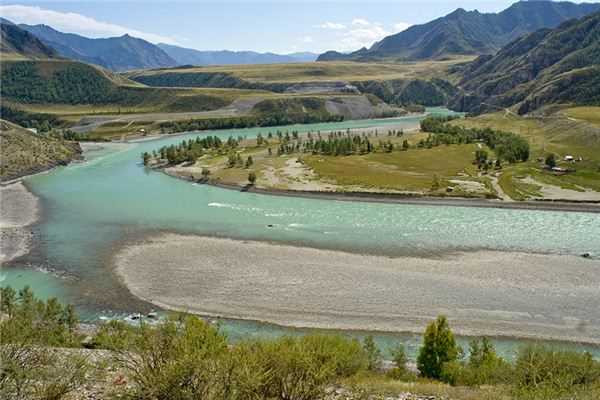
[[439, 347]]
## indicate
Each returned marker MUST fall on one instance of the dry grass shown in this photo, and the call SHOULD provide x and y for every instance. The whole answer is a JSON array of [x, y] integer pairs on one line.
[[326, 71]]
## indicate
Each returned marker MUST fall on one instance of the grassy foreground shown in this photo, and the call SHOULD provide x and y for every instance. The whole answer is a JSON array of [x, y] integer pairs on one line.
[[183, 357]]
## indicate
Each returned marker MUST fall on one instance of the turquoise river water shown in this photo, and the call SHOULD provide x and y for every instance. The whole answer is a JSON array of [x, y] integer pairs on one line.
[[91, 209]]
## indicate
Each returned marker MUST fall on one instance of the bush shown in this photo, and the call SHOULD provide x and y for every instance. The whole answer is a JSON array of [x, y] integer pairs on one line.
[[179, 359], [541, 372], [294, 368], [28, 368]]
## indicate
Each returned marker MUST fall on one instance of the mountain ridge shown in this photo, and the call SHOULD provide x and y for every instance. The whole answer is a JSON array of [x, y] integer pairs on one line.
[[16, 42], [187, 56], [560, 65], [468, 32], [120, 53]]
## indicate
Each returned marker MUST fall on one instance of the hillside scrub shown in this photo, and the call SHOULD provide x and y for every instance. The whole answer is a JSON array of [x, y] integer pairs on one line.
[[183, 357]]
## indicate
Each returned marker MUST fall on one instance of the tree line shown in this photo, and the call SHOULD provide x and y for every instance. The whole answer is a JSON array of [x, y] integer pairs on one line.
[[183, 357], [508, 146], [250, 121]]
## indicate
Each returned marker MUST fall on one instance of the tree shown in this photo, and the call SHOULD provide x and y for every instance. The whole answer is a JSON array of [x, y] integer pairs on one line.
[[436, 184], [146, 158], [481, 157], [249, 162], [399, 357], [405, 145], [205, 173], [252, 178], [551, 161], [373, 352], [439, 347]]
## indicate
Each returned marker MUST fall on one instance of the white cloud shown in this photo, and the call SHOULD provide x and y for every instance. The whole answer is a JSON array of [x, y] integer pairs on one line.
[[75, 23], [363, 33], [307, 39], [331, 25], [360, 22], [401, 26]]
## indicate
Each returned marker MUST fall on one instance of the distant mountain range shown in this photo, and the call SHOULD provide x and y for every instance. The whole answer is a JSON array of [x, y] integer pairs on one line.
[[184, 56], [549, 66], [468, 32], [117, 53], [128, 53], [16, 42]]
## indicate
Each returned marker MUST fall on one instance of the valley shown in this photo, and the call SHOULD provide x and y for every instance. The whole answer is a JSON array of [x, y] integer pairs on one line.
[[177, 222]]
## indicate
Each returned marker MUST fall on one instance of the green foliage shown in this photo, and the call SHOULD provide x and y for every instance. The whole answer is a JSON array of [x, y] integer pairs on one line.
[[184, 358], [373, 353], [28, 368], [34, 321], [252, 177], [66, 82], [507, 145], [550, 160], [179, 359], [542, 372], [41, 122], [483, 367], [439, 347]]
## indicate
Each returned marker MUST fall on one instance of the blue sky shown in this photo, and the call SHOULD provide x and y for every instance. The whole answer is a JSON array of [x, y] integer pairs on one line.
[[280, 26]]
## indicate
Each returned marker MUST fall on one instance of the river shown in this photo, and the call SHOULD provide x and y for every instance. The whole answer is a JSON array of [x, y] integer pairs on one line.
[[91, 209]]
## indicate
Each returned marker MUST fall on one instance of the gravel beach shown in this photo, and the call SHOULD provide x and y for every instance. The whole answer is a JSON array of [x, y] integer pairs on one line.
[[483, 292], [19, 208]]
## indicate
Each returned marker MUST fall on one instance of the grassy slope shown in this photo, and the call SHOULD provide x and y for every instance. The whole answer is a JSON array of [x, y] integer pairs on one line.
[[23, 153]]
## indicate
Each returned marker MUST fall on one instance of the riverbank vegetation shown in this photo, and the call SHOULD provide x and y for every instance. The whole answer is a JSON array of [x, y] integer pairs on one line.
[[362, 160], [561, 133], [184, 357]]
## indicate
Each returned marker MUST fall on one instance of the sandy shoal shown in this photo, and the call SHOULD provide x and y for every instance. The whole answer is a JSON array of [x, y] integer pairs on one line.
[[483, 292], [19, 208]]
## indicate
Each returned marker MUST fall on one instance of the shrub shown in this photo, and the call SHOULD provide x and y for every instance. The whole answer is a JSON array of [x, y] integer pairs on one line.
[[179, 359], [542, 371], [373, 353]]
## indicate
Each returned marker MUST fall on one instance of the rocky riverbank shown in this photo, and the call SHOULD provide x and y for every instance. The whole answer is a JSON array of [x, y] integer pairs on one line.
[[19, 209], [492, 293]]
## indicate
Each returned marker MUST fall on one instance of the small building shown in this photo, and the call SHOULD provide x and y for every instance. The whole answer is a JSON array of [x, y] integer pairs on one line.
[[32, 130], [569, 158], [559, 170]]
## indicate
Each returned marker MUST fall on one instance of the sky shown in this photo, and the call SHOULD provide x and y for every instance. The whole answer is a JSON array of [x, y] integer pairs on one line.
[[280, 26]]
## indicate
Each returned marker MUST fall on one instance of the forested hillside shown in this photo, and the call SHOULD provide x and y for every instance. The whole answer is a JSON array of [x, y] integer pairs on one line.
[[548, 66], [73, 83]]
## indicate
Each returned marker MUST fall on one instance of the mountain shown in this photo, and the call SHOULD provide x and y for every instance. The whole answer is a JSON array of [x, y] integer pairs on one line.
[[117, 53], [549, 66], [18, 43], [468, 32], [184, 56]]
